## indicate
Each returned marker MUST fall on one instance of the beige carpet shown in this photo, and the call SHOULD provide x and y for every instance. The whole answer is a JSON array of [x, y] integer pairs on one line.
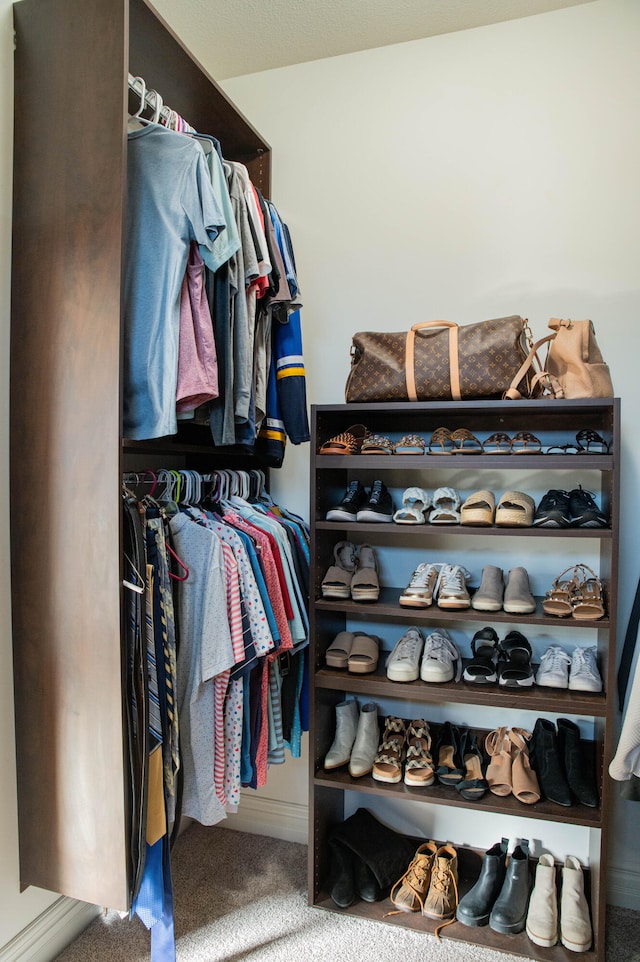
[[240, 896]]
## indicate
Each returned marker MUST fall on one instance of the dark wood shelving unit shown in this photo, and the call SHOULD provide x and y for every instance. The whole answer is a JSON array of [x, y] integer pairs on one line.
[[72, 60], [553, 422]]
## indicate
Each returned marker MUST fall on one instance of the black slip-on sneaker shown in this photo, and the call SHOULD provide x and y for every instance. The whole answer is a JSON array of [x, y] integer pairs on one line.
[[347, 510]]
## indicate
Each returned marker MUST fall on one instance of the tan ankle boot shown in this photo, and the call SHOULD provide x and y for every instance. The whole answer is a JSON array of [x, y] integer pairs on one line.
[[442, 898]]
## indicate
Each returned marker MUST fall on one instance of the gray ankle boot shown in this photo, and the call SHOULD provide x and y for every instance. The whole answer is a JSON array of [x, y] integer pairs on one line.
[[518, 599], [488, 597], [346, 725], [366, 744]]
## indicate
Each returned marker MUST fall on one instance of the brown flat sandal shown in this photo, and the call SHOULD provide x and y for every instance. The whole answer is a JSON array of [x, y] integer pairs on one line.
[[464, 442], [559, 599], [348, 442], [587, 599], [441, 442]]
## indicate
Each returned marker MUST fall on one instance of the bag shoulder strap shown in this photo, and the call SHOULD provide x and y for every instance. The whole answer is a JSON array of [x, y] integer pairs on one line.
[[531, 361]]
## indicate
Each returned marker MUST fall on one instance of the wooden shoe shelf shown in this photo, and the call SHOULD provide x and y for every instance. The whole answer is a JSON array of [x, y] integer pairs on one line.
[[544, 552]]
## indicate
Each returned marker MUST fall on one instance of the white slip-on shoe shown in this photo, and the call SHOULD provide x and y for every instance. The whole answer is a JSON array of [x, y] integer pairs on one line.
[[554, 668], [446, 507], [403, 663], [575, 926], [419, 591], [542, 915], [584, 674], [439, 657]]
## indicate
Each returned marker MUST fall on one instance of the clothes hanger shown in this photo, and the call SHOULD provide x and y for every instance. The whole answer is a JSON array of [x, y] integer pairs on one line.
[[136, 121]]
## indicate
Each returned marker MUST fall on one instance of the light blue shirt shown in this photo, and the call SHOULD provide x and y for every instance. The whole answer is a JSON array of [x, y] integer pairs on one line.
[[170, 203]]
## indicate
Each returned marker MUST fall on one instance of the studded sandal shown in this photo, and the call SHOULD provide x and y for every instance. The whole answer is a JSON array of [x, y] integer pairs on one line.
[[587, 599], [558, 600], [348, 442]]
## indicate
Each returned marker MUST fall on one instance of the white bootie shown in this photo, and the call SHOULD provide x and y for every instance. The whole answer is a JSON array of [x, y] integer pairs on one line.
[[542, 916], [346, 725], [575, 927], [365, 746]]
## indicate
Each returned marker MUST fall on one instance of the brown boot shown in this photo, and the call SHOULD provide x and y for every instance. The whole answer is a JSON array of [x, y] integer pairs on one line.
[[442, 898], [410, 891]]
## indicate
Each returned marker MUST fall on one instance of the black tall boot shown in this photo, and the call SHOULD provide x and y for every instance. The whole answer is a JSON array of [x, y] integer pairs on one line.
[[509, 912], [342, 887], [580, 777], [475, 906], [545, 759], [385, 853]]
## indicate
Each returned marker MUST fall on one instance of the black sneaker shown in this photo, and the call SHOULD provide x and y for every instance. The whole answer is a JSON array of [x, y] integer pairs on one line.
[[379, 506], [584, 512], [553, 510], [354, 497]]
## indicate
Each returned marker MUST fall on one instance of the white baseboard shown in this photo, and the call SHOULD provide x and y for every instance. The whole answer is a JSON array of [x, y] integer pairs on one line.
[[44, 938], [268, 816]]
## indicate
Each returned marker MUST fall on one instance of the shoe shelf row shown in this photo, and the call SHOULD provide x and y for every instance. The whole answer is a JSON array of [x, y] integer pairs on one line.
[[545, 552]]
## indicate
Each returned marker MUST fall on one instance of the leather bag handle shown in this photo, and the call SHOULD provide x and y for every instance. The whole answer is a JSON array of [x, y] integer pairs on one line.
[[454, 367]]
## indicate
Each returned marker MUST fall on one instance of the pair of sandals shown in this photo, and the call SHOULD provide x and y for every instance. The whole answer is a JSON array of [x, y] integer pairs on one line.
[[405, 745], [463, 441], [579, 596], [587, 442], [354, 574], [507, 662], [354, 651], [417, 504], [509, 771], [515, 509]]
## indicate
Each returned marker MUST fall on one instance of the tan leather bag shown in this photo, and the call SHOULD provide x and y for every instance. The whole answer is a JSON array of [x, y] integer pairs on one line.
[[440, 360], [574, 366]]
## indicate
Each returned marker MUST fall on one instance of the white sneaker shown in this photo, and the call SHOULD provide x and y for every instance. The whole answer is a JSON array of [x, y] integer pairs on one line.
[[554, 668], [439, 656], [419, 591], [403, 663], [452, 589], [584, 674]]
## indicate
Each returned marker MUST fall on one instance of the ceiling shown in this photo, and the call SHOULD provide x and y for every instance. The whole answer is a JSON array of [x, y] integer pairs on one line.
[[235, 37]]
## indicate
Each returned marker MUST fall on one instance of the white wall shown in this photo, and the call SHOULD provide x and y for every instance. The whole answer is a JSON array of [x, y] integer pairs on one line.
[[469, 176], [16, 909]]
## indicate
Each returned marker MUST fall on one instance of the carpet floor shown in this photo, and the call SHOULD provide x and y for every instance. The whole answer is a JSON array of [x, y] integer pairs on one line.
[[240, 896]]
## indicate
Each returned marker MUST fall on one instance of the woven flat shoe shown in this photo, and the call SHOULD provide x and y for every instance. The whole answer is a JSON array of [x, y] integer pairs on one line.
[[479, 509], [515, 510]]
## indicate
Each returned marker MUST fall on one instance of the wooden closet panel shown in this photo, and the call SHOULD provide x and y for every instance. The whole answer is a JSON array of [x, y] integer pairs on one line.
[[157, 55], [70, 84]]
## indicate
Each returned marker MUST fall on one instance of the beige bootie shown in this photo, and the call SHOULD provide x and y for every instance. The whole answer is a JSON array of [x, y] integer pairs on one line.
[[542, 916], [575, 926], [346, 728]]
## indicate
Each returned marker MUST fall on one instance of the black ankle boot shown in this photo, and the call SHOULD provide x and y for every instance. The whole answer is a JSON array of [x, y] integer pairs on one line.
[[474, 908], [509, 912], [545, 759], [580, 777], [342, 887]]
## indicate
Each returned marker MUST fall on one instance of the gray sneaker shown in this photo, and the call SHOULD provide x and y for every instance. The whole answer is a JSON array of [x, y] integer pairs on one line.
[[489, 595], [554, 668]]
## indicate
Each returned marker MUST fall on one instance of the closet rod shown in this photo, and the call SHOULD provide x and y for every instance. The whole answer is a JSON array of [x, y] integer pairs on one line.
[[152, 98]]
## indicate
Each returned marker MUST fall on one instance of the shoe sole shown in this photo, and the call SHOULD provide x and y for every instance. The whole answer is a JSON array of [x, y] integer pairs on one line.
[[516, 682], [340, 594], [453, 603], [408, 677], [337, 515], [480, 679], [511, 928], [576, 946], [413, 601], [539, 940], [373, 517], [486, 606], [519, 608], [563, 683], [430, 676]]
